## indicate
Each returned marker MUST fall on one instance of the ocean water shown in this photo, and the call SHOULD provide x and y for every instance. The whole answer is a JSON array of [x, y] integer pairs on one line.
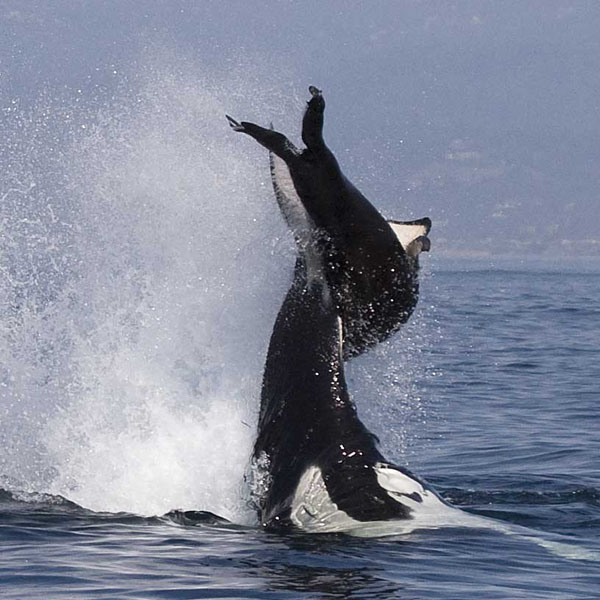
[[142, 263], [509, 430]]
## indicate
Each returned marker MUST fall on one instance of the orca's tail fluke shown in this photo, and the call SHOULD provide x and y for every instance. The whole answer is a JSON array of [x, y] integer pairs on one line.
[[412, 235], [234, 124], [272, 140]]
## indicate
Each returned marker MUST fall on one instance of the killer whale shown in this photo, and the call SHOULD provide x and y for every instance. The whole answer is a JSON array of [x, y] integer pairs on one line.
[[318, 466], [370, 264]]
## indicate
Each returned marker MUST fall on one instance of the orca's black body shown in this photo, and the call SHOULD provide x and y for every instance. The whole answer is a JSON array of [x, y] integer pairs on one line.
[[372, 277], [318, 466], [308, 421]]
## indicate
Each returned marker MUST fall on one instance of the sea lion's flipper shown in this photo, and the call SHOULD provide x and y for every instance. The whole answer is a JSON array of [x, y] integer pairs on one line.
[[312, 123]]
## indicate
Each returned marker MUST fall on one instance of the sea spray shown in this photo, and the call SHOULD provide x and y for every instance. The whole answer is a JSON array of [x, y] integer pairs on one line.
[[139, 288], [143, 263]]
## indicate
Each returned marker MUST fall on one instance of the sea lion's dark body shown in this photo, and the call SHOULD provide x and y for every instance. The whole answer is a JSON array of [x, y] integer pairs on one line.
[[371, 277]]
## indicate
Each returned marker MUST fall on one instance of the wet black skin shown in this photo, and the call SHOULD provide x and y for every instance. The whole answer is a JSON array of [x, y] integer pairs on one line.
[[352, 274], [372, 280], [307, 417]]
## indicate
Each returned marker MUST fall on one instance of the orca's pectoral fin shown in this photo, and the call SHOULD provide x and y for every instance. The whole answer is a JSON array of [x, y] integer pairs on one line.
[[234, 124]]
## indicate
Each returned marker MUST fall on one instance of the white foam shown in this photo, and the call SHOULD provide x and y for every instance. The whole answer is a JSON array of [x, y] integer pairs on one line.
[[134, 318]]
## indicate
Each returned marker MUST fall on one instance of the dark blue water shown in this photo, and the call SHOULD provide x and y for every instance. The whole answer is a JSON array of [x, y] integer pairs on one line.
[[510, 393]]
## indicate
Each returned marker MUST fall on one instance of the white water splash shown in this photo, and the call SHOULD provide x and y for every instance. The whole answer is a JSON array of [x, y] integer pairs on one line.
[[142, 263], [139, 286]]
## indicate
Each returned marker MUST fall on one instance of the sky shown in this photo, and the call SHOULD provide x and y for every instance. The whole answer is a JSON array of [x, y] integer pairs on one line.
[[483, 115]]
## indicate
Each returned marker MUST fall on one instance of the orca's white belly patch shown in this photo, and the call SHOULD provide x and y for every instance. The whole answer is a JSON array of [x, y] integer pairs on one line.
[[312, 508], [314, 511], [291, 206]]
